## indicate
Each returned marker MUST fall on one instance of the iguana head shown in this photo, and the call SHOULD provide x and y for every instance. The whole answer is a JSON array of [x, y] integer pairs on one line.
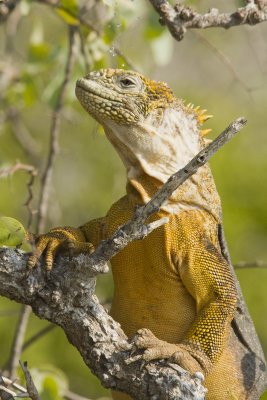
[[154, 132], [122, 97]]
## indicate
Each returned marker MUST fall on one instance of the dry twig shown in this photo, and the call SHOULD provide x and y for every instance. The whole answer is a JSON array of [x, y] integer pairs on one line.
[[14, 384], [223, 58], [73, 396], [180, 18], [5, 172], [16, 347], [21, 134], [31, 389], [54, 133], [37, 336], [136, 228], [6, 7], [32, 171], [250, 264]]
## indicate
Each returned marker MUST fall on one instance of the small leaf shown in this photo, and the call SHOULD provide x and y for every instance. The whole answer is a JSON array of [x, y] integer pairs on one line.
[[67, 17], [70, 5], [153, 29], [12, 232], [50, 388], [68, 11], [264, 396], [110, 32], [38, 51]]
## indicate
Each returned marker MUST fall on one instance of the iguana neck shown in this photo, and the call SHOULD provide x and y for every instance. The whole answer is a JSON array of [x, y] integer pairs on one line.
[[157, 147]]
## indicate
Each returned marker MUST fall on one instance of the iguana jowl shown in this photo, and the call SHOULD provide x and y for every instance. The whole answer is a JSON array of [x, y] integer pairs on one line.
[[176, 282]]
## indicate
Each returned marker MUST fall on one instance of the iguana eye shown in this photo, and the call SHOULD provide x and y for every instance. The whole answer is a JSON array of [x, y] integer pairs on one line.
[[127, 83]]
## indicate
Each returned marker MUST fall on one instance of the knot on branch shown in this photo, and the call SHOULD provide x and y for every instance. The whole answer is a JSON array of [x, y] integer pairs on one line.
[[250, 15], [202, 159], [261, 4], [184, 13]]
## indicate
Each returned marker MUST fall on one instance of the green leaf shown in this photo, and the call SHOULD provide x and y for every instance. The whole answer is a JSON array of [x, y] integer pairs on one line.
[[70, 5], [50, 381], [110, 32], [38, 52], [68, 10], [264, 396], [12, 232], [153, 29], [50, 389]]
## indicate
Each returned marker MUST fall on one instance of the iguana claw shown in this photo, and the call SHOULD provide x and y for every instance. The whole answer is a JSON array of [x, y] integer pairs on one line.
[[181, 354], [58, 240]]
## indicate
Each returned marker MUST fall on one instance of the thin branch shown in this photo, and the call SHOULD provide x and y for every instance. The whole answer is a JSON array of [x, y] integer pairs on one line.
[[135, 229], [93, 27], [250, 264], [7, 394], [224, 59], [180, 18], [14, 384], [73, 396], [21, 134], [37, 336], [28, 202], [11, 27], [31, 388], [83, 51], [126, 59], [6, 7], [16, 347], [5, 172], [8, 313], [32, 171], [54, 136]]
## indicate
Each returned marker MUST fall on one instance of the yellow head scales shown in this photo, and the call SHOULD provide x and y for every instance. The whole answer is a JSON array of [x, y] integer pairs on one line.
[[123, 96]]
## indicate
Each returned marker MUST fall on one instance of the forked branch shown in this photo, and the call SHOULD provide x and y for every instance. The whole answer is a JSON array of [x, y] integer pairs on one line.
[[180, 18]]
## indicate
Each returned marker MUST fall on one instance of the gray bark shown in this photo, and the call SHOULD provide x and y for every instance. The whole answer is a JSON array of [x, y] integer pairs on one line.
[[66, 298]]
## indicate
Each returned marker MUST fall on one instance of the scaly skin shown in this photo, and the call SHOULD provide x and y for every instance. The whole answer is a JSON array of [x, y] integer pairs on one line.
[[174, 287]]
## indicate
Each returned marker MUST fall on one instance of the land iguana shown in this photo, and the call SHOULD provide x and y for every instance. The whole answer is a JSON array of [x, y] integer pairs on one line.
[[176, 288]]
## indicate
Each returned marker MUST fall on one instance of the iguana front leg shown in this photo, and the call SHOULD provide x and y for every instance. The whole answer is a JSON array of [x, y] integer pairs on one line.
[[66, 240], [207, 277]]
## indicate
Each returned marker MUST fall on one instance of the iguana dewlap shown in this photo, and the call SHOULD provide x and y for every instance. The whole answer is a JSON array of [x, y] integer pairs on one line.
[[176, 281]]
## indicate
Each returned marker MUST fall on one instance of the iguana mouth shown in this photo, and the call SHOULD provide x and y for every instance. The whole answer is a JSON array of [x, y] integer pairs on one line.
[[96, 91], [103, 103]]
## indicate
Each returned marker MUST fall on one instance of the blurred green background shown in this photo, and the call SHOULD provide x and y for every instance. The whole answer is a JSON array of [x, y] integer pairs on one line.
[[223, 71]]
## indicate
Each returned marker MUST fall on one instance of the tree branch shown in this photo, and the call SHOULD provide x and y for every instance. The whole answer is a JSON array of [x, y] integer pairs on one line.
[[66, 298], [31, 389], [136, 229], [180, 18], [6, 7]]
